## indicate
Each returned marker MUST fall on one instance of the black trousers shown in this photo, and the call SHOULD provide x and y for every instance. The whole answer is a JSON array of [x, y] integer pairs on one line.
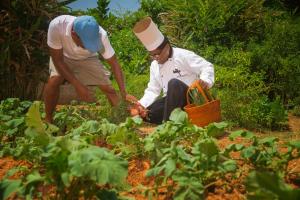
[[161, 109]]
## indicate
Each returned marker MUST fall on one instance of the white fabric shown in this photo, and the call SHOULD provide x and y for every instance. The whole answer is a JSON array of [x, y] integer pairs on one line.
[[184, 65], [59, 37], [151, 37]]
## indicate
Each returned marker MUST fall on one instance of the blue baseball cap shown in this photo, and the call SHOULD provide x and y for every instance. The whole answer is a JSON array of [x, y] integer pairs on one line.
[[87, 28]]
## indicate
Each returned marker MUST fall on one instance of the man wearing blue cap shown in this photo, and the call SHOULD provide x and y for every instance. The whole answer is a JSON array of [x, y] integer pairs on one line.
[[74, 43]]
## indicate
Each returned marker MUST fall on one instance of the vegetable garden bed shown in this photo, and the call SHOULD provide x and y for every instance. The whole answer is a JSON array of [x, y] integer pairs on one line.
[[93, 158]]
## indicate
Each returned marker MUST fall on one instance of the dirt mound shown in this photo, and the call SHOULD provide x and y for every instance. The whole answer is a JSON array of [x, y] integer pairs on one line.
[[294, 123]]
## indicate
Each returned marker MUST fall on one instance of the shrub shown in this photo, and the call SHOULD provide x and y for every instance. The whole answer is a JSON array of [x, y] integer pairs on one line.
[[278, 58], [296, 111], [24, 52]]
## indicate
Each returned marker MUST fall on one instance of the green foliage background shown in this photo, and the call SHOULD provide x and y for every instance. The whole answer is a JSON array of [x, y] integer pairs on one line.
[[23, 45], [254, 45]]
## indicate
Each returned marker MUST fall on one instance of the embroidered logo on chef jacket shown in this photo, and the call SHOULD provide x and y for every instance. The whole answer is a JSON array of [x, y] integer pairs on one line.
[[177, 71]]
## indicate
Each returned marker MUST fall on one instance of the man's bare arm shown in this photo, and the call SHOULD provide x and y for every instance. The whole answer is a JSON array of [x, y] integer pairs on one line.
[[64, 71], [116, 68], [61, 66]]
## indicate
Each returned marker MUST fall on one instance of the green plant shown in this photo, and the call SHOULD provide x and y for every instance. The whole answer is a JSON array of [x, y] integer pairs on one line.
[[70, 163], [264, 154], [12, 127], [191, 169], [122, 138], [277, 58], [296, 111], [266, 185], [266, 114]]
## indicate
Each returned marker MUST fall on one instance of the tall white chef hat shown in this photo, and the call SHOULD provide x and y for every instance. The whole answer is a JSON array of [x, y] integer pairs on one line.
[[148, 33]]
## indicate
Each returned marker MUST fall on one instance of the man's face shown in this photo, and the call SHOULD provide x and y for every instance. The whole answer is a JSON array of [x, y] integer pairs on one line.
[[161, 54]]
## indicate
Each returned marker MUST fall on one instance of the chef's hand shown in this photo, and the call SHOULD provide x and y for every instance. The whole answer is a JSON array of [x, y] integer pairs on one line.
[[138, 109], [203, 84]]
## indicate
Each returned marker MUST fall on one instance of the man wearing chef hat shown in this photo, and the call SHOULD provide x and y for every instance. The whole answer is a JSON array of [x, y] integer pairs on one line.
[[171, 72]]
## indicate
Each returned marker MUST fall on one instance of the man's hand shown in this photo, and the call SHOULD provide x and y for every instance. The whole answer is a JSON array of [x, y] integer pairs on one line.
[[138, 109], [143, 111], [83, 93], [131, 99]]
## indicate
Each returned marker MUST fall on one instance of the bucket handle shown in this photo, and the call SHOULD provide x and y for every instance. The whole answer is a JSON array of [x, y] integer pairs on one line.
[[197, 85]]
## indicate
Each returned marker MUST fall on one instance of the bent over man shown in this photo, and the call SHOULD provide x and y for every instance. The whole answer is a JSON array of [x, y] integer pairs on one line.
[[74, 43]]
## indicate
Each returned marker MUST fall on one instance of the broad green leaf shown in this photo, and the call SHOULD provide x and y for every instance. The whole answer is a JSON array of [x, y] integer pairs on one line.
[[239, 147], [154, 171], [208, 147], [182, 154], [216, 129], [36, 128], [33, 117], [15, 122], [269, 141], [40, 138], [229, 165], [108, 128], [170, 167], [8, 187], [97, 164], [267, 185], [120, 136], [295, 144], [87, 127], [34, 177], [234, 147], [190, 187], [4, 117], [101, 177], [178, 116], [149, 144], [248, 152], [181, 194], [241, 133], [11, 132], [137, 120], [66, 179], [131, 121]]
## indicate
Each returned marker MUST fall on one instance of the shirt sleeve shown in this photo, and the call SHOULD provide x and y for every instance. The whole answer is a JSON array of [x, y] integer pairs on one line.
[[200, 66], [152, 91], [53, 38], [108, 51]]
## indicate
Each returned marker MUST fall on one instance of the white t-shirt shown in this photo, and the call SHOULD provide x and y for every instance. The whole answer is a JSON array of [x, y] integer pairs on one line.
[[59, 37], [184, 65]]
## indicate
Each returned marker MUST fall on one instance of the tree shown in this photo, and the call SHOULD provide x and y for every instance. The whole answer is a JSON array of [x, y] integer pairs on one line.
[[102, 9]]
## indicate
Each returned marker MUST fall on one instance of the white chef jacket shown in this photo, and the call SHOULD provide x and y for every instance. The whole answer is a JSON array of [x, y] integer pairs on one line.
[[184, 65], [59, 37]]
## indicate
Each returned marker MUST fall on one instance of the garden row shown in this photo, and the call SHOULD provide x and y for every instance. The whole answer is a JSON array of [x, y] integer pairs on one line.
[[186, 161]]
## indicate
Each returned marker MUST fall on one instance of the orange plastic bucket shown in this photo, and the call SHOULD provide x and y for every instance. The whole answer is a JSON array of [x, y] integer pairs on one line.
[[202, 115]]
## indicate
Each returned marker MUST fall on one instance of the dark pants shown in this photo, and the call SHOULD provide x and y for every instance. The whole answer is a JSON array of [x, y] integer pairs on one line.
[[161, 109]]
